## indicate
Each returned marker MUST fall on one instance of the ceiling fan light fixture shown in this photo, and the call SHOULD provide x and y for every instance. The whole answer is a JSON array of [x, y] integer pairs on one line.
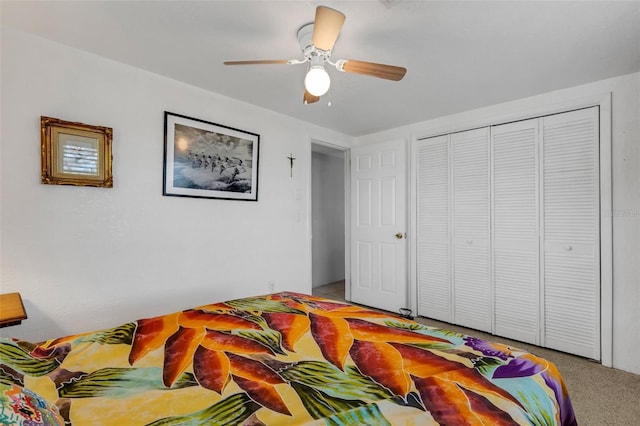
[[316, 40], [317, 80]]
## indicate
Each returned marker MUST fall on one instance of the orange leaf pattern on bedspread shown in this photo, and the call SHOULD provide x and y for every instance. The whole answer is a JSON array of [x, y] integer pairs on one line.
[[381, 362], [290, 326], [288, 359], [333, 336]]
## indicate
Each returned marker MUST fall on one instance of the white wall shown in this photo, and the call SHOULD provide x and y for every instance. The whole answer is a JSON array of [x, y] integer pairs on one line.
[[87, 258], [328, 212], [625, 165]]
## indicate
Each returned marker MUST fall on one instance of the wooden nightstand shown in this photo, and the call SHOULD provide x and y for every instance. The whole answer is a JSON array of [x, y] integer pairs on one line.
[[11, 309]]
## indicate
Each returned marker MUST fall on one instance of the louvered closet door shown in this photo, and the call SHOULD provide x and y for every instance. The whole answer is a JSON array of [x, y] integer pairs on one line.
[[472, 295], [432, 239], [515, 230], [571, 269]]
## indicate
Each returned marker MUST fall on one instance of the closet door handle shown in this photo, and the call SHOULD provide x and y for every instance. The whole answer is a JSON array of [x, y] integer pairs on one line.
[[399, 235]]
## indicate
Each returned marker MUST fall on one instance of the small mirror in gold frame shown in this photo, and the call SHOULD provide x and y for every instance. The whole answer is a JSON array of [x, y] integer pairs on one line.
[[75, 153]]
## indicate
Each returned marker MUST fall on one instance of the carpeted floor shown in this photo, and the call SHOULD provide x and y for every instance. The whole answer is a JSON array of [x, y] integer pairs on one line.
[[601, 396]]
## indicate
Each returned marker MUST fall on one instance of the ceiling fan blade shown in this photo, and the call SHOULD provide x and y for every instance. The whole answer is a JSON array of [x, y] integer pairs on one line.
[[259, 62], [326, 27], [309, 98], [389, 72]]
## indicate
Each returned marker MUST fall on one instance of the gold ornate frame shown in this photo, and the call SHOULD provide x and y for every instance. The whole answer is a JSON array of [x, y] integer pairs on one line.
[[75, 153]]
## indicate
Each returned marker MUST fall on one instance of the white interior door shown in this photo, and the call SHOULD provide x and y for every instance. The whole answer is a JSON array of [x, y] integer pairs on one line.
[[378, 225]]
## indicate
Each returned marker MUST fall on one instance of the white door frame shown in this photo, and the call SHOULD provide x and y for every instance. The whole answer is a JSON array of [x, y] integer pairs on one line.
[[347, 212], [521, 110]]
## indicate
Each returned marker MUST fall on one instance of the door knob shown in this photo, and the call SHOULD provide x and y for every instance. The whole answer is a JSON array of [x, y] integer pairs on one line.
[[399, 235]]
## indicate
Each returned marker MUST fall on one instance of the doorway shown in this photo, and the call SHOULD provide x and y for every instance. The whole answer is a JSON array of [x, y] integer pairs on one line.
[[328, 219]]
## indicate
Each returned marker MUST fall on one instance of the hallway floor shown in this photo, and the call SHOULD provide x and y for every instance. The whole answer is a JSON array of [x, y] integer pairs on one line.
[[333, 291]]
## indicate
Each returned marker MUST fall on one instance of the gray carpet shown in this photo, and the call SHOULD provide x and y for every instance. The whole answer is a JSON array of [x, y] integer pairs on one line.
[[601, 396]]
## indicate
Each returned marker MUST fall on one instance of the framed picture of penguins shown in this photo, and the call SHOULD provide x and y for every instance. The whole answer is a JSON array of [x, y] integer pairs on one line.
[[209, 160]]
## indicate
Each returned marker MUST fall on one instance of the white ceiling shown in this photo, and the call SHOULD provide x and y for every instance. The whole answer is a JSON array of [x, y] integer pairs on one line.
[[459, 55]]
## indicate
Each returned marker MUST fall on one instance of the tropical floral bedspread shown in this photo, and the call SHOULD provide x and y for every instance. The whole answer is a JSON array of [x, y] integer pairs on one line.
[[280, 359]]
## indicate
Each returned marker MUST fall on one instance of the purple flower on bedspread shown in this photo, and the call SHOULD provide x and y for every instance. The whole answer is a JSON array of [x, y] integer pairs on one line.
[[486, 348], [529, 365], [567, 415], [518, 367]]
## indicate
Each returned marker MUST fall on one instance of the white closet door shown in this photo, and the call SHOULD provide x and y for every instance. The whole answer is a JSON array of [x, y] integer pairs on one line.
[[515, 231], [571, 270], [432, 239], [472, 292]]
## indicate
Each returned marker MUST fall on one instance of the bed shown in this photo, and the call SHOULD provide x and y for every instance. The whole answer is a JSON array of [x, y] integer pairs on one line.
[[278, 359]]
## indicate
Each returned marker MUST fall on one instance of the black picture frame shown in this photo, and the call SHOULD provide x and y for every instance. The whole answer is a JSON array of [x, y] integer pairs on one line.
[[208, 160]]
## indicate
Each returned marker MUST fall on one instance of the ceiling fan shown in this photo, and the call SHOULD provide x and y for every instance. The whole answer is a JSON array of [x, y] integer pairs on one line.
[[316, 42]]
